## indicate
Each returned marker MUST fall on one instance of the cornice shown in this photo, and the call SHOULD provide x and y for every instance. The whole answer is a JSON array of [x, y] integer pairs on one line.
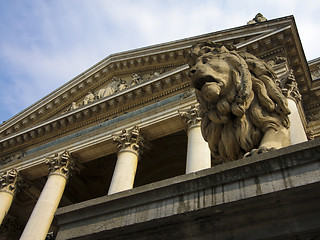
[[283, 42], [174, 52]]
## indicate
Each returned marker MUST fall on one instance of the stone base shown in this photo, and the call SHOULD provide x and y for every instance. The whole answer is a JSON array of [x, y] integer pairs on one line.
[[269, 196]]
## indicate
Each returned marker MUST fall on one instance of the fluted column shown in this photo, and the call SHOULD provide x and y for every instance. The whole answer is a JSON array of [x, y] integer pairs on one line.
[[198, 152], [130, 144], [8, 183], [297, 131], [42, 215]]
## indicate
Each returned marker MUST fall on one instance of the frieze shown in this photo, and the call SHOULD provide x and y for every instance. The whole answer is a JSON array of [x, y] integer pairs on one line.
[[11, 158], [117, 85]]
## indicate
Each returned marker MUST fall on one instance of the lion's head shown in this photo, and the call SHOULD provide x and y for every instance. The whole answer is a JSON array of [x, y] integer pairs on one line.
[[238, 97]]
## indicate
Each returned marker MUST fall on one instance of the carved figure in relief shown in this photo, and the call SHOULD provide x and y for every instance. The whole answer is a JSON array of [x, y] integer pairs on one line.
[[104, 92], [122, 84], [74, 106], [243, 110], [88, 98], [136, 79]]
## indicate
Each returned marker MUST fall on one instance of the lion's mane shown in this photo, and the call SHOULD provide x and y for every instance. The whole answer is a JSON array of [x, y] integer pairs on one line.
[[237, 121]]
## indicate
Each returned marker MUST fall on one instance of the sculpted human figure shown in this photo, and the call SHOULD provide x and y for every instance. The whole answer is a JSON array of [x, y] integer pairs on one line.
[[136, 79], [88, 98], [243, 110], [104, 92], [74, 106]]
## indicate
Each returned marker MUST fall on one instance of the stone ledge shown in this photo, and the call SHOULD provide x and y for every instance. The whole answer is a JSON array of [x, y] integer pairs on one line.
[[260, 181]]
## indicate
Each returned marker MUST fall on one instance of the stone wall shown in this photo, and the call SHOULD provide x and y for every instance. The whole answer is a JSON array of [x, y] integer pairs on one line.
[[268, 196]]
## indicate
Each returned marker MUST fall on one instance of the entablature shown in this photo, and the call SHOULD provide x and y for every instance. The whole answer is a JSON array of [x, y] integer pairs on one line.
[[155, 121]]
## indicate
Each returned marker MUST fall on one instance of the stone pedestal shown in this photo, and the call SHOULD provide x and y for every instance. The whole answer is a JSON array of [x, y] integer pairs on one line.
[[43, 213], [130, 144], [198, 152], [8, 186]]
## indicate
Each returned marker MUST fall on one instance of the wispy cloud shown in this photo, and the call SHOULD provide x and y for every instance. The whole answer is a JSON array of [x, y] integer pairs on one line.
[[46, 43]]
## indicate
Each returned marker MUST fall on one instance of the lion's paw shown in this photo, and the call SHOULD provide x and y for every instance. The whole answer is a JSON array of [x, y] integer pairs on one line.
[[258, 151]]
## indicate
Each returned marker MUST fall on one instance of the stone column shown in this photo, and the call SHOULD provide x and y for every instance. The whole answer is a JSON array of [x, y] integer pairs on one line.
[[8, 183], [42, 215], [297, 131], [198, 152], [130, 144]]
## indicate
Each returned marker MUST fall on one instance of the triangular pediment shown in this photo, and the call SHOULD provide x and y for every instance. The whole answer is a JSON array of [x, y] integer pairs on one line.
[[122, 81]]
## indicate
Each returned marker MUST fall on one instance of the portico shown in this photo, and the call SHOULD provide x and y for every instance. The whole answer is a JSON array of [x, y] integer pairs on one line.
[[131, 121]]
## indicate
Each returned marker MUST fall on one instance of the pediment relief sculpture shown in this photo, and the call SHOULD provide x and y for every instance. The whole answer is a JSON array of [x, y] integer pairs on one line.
[[243, 109], [116, 85]]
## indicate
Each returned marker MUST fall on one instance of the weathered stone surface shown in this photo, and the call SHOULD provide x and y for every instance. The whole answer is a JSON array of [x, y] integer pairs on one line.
[[244, 111], [268, 196]]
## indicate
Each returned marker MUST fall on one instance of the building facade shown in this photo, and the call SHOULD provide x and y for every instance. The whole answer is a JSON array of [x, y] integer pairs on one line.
[[118, 151]]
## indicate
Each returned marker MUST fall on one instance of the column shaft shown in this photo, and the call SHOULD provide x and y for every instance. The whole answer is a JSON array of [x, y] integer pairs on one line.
[[198, 155], [124, 173], [43, 213], [297, 132], [130, 143], [5, 203], [198, 152]]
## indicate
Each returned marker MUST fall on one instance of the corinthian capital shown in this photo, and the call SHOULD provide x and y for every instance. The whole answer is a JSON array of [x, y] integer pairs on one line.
[[290, 88], [61, 164], [191, 116], [9, 181], [130, 140]]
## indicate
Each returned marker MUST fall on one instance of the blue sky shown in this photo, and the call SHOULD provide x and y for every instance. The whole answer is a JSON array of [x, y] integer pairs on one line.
[[46, 43]]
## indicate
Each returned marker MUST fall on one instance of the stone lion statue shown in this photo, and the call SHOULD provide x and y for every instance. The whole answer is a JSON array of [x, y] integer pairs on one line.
[[243, 111]]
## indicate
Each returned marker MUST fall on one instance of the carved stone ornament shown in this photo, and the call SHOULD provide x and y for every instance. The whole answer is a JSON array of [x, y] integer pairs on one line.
[[310, 134], [258, 18], [289, 86], [131, 140], [315, 73], [116, 85], [61, 164], [11, 158], [191, 116], [244, 111], [136, 79], [9, 181]]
